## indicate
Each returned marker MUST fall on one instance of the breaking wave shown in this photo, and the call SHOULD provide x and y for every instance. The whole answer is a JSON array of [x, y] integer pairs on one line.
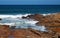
[[14, 16], [21, 15]]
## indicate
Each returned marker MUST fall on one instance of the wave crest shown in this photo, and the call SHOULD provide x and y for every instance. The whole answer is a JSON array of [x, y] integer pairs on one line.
[[14, 16]]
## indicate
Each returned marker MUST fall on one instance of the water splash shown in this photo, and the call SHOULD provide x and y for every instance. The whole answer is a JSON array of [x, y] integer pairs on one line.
[[32, 25], [22, 23]]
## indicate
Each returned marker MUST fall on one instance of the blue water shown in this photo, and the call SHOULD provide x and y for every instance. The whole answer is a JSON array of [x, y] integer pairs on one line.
[[33, 9]]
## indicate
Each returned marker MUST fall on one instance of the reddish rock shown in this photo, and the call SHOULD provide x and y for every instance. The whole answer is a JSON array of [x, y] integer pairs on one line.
[[30, 33], [4, 31]]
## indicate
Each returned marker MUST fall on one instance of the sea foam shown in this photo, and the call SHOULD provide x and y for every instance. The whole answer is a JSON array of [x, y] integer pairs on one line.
[[22, 23], [14, 16], [21, 15], [49, 14], [16, 20]]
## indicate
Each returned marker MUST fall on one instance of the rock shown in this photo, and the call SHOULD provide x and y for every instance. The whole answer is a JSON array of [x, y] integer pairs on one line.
[[30, 16], [12, 27], [0, 19], [4, 31], [35, 16], [24, 17], [30, 33]]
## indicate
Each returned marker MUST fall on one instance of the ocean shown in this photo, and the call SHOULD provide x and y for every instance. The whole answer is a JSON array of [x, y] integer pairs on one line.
[[29, 9]]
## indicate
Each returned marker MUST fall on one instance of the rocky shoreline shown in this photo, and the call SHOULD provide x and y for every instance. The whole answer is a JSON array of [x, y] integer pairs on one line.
[[51, 22]]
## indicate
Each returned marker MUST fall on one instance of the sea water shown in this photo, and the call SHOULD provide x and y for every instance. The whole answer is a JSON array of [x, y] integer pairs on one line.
[[29, 9]]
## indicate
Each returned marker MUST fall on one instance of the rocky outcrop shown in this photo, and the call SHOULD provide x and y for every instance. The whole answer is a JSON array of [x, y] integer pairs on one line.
[[50, 21]]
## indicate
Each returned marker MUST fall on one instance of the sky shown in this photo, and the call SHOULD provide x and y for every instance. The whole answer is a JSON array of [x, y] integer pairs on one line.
[[29, 2]]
